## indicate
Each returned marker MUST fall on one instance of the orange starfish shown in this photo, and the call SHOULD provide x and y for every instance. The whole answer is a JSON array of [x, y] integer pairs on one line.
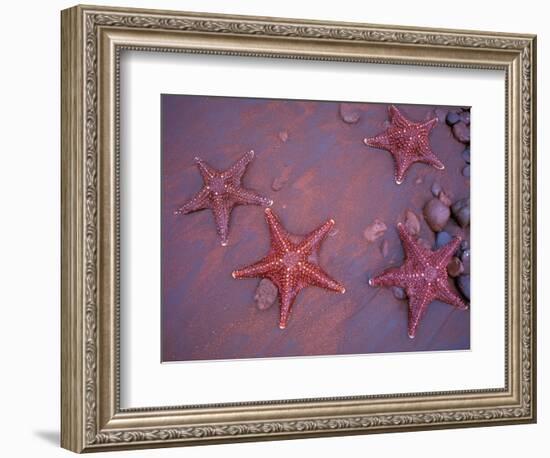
[[221, 192], [423, 275], [407, 141], [290, 266]]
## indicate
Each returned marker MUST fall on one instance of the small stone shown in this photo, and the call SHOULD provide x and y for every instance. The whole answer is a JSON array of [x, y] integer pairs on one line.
[[455, 267], [445, 199], [349, 113], [461, 212], [398, 292], [465, 258], [266, 294], [436, 189], [419, 180], [465, 117], [464, 245], [463, 283], [461, 132], [452, 118], [283, 136], [375, 230], [466, 171], [384, 248], [333, 232], [412, 223], [437, 214], [442, 238], [466, 154]]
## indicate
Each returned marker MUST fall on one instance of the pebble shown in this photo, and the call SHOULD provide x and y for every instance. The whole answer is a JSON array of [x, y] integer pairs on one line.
[[398, 292], [333, 232], [375, 230], [466, 171], [437, 214], [463, 283], [452, 118], [436, 189], [461, 212], [349, 113], [466, 154], [455, 267], [461, 132], [384, 248], [464, 245], [442, 238], [266, 294], [412, 223], [465, 258], [445, 199], [283, 136]]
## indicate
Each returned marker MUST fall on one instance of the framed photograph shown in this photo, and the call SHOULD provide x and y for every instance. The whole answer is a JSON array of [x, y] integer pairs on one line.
[[278, 228]]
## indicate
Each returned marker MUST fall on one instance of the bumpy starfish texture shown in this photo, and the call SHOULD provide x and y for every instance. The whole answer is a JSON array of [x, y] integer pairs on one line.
[[223, 190], [423, 275], [290, 265], [407, 141]]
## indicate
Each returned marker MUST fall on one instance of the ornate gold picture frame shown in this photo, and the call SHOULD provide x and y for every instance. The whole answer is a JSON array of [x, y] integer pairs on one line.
[[93, 39]]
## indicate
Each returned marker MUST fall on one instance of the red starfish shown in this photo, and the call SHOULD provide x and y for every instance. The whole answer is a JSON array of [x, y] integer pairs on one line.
[[221, 192], [407, 141], [423, 275], [290, 265]]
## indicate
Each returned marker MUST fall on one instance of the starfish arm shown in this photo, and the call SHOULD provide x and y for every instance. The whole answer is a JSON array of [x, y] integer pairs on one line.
[[397, 118], [443, 255], [258, 269], [236, 171], [248, 197], [380, 141], [447, 295], [279, 236], [206, 171], [199, 201], [314, 238], [418, 304], [402, 164], [428, 125], [413, 250], [221, 208], [428, 157], [287, 292], [315, 276], [390, 277]]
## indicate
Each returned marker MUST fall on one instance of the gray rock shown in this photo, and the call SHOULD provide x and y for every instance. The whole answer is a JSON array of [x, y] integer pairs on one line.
[[465, 117], [349, 112], [466, 171], [452, 118], [463, 283], [436, 189], [398, 292], [437, 214], [461, 212], [266, 294], [461, 132], [442, 238], [466, 154]]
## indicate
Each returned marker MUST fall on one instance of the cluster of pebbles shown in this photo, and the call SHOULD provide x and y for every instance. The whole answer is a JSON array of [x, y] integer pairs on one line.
[[459, 122]]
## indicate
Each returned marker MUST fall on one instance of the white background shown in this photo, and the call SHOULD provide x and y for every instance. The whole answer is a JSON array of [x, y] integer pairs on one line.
[[145, 76], [29, 181]]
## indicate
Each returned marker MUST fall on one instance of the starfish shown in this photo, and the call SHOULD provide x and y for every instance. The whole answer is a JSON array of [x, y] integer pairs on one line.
[[291, 266], [423, 275], [407, 141], [221, 192]]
